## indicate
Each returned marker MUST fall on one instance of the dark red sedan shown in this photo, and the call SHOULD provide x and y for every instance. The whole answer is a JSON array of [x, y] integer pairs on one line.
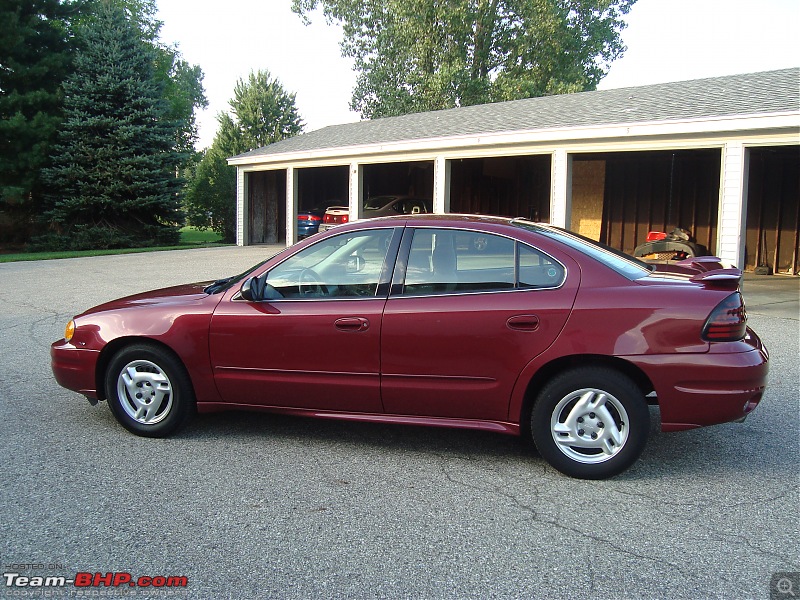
[[456, 321]]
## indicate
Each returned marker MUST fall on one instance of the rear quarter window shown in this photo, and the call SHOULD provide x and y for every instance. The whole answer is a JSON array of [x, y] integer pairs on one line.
[[627, 266]]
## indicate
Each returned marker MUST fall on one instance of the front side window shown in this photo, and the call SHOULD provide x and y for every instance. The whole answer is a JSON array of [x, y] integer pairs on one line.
[[453, 261], [345, 266]]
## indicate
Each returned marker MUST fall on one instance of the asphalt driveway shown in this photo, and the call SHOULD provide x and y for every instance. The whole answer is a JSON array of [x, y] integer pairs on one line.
[[264, 506]]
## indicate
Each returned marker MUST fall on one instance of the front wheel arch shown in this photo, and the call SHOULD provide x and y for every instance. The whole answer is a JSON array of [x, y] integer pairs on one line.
[[167, 363], [112, 348]]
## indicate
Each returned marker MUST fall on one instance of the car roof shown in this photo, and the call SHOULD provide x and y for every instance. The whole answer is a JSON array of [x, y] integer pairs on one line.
[[451, 220]]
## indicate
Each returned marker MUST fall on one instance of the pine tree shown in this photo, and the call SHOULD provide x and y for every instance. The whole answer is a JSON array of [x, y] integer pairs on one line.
[[35, 58], [115, 164]]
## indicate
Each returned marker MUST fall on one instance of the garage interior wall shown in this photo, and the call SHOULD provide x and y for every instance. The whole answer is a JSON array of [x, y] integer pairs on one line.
[[617, 198], [320, 187], [588, 190], [266, 197], [514, 186], [413, 178], [773, 209]]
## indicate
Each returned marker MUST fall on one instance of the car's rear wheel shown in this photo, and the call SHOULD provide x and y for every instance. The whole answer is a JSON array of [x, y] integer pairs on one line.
[[149, 390], [590, 423]]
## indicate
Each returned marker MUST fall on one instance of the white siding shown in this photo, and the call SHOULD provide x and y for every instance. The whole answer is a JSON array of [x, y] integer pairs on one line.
[[732, 204], [241, 207], [355, 200], [441, 185], [561, 191], [291, 205]]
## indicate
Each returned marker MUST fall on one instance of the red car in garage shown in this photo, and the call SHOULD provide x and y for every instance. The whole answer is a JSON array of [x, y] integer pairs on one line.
[[459, 321], [378, 206]]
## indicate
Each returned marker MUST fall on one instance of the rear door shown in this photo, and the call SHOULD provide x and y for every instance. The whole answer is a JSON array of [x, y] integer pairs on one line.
[[463, 320]]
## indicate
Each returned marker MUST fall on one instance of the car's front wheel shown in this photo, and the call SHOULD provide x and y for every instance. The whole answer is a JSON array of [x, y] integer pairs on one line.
[[590, 423], [149, 390]]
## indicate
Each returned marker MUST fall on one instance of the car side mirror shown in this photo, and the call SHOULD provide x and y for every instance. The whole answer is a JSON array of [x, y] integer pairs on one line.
[[247, 290], [256, 289], [253, 288]]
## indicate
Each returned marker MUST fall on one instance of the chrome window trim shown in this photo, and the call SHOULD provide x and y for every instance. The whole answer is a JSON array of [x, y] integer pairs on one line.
[[482, 292], [237, 297]]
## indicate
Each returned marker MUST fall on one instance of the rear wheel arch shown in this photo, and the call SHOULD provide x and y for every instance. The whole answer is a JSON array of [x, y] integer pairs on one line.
[[590, 422], [554, 368]]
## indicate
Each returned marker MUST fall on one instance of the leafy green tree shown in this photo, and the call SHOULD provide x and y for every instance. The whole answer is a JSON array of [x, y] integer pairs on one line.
[[417, 55], [263, 112], [35, 58], [115, 163], [210, 199], [183, 90]]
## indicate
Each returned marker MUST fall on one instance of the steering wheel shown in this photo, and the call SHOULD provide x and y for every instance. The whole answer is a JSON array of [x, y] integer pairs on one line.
[[310, 284]]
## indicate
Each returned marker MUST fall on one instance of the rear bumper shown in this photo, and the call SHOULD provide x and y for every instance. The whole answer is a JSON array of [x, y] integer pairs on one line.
[[74, 368], [707, 389], [306, 230]]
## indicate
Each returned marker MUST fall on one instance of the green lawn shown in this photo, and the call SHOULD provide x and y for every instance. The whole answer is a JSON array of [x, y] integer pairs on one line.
[[191, 237]]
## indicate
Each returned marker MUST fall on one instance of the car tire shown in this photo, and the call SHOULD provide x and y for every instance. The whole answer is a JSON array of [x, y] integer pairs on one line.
[[590, 423], [148, 390]]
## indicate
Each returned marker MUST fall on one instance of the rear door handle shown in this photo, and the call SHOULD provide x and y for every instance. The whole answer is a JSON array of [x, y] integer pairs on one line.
[[523, 323], [351, 324]]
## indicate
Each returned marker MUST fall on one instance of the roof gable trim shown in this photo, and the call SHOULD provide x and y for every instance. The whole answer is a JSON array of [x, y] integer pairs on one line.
[[677, 127]]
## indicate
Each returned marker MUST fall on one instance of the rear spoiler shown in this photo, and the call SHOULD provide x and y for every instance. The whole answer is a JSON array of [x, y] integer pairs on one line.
[[712, 273], [707, 270], [702, 263], [727, 279]]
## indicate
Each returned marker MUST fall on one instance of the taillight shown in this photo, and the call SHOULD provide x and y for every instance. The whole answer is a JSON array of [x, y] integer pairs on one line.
[[314, 218], [345, 218], [727, 322], [328, 219]]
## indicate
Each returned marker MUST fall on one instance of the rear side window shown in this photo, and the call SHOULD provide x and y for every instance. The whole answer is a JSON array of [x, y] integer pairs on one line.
[[625, 265], [454, 261], [537, 269]]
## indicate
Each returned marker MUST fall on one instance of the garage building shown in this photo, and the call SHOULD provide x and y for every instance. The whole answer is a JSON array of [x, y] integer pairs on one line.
[[719, 157]]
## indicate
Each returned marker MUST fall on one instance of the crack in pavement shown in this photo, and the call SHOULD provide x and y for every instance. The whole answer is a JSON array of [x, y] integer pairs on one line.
[[537, 517]]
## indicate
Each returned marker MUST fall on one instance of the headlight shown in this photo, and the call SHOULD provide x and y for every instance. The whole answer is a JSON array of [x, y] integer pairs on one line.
[[69, 331]]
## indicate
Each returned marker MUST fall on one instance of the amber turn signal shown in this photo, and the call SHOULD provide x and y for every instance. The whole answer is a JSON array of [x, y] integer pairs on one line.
[[69, 331]]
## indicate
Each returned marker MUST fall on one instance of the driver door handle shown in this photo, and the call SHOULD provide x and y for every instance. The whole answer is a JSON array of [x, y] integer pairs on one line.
[[351, 324], [524, 322]]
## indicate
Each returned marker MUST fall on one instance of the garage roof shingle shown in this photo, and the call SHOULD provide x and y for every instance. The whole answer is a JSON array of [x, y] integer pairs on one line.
[[748, 94]]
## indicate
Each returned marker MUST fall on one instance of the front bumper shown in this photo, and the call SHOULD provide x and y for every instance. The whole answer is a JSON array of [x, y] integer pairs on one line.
[[706, 389], [74, 368]]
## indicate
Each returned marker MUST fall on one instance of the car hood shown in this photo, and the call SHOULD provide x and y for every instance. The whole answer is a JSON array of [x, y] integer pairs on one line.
[[172, 296]]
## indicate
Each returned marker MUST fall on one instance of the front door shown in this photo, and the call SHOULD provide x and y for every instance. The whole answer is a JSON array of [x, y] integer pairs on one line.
[[315, 342]]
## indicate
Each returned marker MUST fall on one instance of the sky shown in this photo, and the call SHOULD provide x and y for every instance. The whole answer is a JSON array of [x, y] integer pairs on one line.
[[667, 40]]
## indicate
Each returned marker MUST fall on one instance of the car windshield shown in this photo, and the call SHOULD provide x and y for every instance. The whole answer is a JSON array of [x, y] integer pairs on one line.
[[377, 202], [221, 285], [622, 263]]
